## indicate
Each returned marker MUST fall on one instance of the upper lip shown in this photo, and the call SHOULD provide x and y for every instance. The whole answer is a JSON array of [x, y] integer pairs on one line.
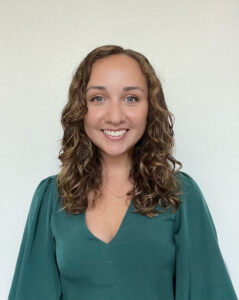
[[115, 129]]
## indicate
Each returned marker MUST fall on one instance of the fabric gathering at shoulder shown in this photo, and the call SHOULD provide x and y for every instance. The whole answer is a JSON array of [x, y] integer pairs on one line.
[[42, 193]]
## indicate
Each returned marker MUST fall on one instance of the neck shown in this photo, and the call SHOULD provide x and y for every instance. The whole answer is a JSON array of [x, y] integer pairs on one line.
[[116, 169]]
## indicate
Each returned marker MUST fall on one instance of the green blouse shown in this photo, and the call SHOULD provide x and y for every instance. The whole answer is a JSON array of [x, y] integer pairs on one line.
[[171, 256]]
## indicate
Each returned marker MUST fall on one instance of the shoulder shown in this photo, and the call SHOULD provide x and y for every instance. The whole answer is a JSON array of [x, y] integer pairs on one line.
[[187, 181], [48, 180], [46, 185], [188, 184], [45, 193], [191, 194]]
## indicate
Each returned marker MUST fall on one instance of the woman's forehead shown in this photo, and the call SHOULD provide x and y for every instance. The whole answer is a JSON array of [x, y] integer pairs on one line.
[[120, 68]]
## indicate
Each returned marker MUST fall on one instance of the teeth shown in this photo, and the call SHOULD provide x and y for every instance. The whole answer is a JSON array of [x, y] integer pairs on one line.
[[115, 133]]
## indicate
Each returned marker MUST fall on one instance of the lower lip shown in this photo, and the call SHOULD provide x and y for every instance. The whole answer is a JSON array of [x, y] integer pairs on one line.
[[115, 138]]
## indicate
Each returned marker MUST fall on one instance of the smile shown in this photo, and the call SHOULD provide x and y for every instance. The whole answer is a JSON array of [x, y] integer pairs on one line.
[[115, 135]]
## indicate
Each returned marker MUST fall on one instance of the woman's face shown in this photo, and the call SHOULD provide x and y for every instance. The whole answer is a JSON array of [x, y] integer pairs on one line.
[[116, 97]]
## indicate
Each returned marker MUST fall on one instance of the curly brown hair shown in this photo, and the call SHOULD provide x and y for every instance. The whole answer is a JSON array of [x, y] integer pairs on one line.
[[153, 177]]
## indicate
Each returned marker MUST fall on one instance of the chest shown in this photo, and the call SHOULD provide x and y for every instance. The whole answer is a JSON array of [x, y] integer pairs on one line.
[[116, 241], [106, 218]]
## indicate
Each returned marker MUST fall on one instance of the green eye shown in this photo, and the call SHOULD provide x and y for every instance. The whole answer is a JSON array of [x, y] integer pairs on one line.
[[95, 98], [136, 99]]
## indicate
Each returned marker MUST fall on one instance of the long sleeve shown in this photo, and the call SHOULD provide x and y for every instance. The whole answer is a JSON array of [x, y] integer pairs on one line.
[[200, 271], [36, 275]]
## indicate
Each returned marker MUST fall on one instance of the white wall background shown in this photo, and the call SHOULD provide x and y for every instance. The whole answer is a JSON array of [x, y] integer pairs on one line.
[[193, 46]]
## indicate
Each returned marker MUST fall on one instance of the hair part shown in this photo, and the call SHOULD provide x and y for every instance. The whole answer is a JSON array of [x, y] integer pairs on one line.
[[152, 174]]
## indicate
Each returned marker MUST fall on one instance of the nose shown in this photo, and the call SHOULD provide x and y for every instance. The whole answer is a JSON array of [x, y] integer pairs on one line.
[[115, 112]]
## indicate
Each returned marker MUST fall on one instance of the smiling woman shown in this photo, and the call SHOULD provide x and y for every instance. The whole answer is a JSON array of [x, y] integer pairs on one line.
[[119, 222]]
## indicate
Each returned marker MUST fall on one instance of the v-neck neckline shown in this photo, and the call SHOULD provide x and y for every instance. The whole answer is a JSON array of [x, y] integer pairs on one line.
[[117, 233]]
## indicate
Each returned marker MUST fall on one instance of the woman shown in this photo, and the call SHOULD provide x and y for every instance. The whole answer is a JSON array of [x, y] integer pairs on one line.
[[127, 225]]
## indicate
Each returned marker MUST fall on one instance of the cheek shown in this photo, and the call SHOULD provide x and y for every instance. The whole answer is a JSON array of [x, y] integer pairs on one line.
[[140, 117], [90, 119], [88, 124]]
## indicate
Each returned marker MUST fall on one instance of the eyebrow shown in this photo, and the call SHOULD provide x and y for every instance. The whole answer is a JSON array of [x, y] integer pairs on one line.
[[126, 88]]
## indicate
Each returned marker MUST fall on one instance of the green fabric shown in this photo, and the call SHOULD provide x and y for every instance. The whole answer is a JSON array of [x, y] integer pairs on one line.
[[171, 256]]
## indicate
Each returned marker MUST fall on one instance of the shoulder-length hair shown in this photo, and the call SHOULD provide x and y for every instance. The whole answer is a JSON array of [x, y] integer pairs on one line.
[[153, 173]]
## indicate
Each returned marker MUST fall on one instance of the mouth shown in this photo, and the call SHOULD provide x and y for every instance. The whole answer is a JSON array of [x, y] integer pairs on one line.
[[115, 129], [111, 134]]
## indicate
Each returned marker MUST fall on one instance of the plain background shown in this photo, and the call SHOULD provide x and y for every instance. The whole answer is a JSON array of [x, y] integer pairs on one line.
[[193, 46]]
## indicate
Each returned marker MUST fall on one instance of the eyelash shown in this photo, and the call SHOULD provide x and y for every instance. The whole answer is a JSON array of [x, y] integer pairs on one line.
[[136, 99]]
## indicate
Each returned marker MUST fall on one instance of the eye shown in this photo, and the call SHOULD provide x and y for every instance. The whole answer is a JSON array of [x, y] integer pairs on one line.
[[94, 99], [136, 99], [97, 97]]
